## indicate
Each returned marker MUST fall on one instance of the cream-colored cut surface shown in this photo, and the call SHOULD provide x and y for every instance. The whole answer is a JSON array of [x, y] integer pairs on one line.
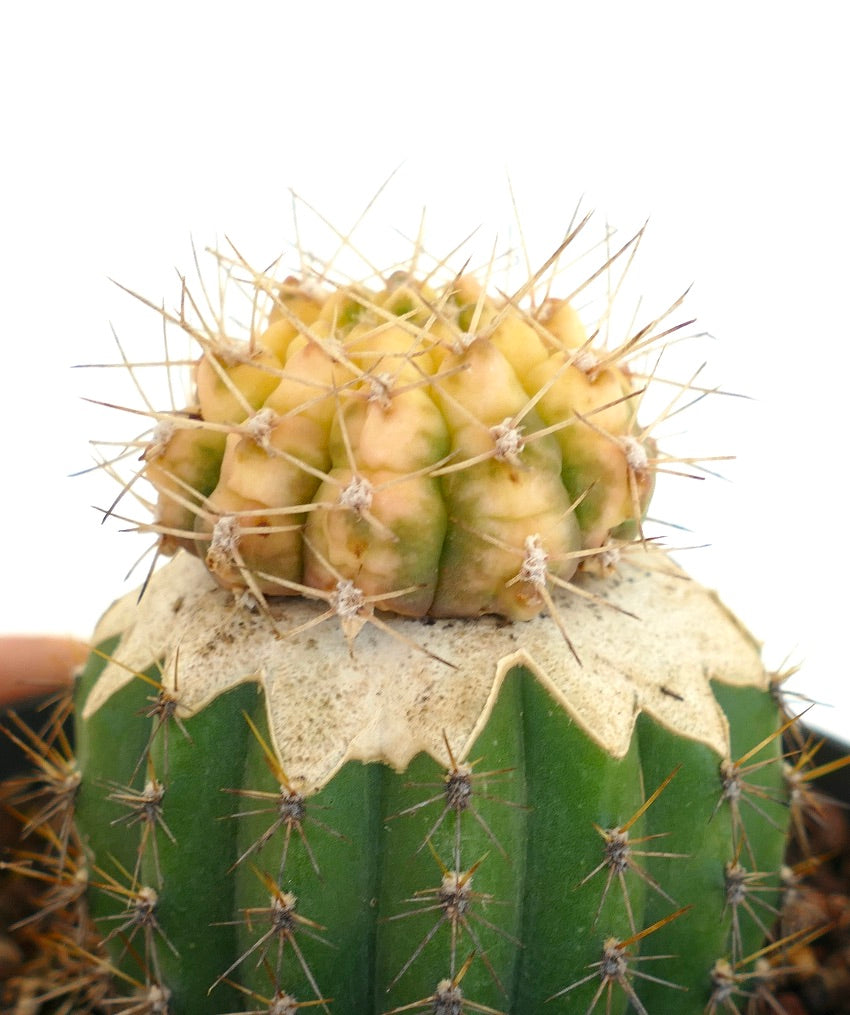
[[387, 697]]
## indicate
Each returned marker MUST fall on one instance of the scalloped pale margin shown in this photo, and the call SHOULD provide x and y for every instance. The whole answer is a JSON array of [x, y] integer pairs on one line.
[[385, 700]]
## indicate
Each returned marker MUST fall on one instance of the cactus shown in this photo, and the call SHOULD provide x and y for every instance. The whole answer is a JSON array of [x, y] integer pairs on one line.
[[416, 719]]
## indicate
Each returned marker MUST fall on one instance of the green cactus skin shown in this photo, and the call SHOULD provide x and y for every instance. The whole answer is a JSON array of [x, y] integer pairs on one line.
[[408, 723], [369, 849]]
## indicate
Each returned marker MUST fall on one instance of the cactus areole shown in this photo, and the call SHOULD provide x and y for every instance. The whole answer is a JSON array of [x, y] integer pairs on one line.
[[416, 720]]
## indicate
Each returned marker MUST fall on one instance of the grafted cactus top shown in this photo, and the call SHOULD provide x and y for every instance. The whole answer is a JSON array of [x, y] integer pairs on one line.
[[428, 452]]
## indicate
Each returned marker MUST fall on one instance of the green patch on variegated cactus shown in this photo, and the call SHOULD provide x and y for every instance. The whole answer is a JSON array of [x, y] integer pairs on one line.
[[401, 727]]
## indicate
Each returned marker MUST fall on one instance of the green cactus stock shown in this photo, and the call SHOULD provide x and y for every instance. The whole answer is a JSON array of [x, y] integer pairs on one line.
[[416, 719]]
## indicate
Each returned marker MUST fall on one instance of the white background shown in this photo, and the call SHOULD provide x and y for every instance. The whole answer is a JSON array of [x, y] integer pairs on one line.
[[127, 130]]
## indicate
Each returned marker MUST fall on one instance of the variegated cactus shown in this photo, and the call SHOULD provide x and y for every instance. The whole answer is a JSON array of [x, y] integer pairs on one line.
[[416, 720]]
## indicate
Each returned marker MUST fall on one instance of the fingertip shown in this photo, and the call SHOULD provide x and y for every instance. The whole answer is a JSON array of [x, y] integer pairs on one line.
[[33, 665]]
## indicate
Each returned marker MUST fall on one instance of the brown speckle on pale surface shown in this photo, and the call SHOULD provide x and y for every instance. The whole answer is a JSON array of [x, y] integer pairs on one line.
[[387, 701]]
